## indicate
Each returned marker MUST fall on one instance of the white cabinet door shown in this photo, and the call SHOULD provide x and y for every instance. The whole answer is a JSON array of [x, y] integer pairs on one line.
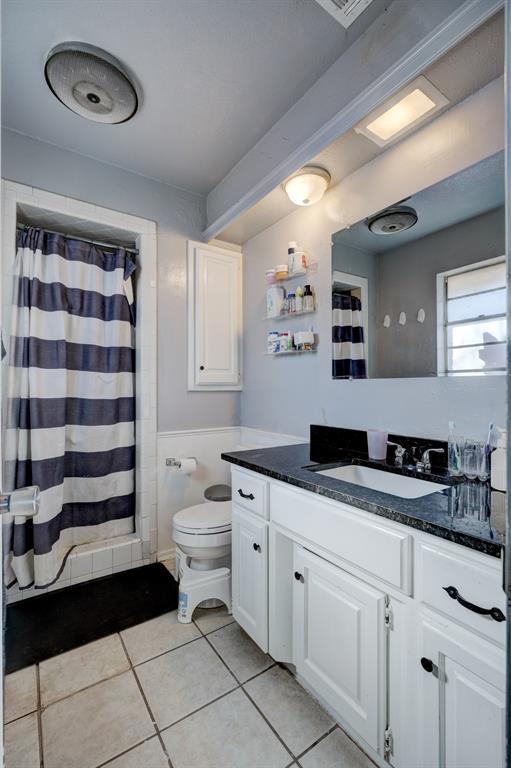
[[338, 641], [462, 701], [214, 316], [250, 575]]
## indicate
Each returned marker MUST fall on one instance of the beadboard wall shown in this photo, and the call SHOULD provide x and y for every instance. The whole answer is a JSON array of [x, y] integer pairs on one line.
[[177, 491]]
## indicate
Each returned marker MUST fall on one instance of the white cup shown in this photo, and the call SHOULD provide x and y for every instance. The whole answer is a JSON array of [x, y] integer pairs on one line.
[[377, 444]]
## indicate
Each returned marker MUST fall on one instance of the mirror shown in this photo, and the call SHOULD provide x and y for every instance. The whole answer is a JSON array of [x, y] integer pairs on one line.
[[420, 288]]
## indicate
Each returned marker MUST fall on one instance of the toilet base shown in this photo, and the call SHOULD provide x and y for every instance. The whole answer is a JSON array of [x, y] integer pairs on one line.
[[197, 588]]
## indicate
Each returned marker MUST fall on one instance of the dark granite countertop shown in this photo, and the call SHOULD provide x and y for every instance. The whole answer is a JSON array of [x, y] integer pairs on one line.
[[467, 513]]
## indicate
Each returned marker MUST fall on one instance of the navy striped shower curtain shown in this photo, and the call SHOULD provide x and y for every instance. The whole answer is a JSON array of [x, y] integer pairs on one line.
[[70, 411], [348, 347]]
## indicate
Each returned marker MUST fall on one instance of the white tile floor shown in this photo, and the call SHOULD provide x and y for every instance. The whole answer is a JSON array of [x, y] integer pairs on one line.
[[169, 695]]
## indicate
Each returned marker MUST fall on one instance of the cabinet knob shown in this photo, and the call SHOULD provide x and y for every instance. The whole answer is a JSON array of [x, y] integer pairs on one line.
[[299, 577], [201, 367], [430, 666], [257, 547]]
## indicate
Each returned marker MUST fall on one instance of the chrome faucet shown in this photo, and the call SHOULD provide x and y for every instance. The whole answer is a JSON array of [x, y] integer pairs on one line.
[[399, 454], [425, 464]]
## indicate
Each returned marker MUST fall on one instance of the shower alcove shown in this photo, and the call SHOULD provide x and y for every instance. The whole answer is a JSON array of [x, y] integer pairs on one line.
[[27, 205]]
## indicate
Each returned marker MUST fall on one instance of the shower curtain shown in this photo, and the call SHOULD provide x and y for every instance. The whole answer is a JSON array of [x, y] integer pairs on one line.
[[70, 401], [348, 355]]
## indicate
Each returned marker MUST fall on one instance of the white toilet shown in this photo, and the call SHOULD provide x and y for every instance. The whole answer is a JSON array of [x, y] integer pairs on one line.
[[203, 556]]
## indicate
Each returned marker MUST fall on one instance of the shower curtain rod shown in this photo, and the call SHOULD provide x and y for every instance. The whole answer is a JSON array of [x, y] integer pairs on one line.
[[82, 239]]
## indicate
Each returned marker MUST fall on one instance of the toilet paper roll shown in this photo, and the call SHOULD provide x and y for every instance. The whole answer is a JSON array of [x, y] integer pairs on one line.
[[188, 466]]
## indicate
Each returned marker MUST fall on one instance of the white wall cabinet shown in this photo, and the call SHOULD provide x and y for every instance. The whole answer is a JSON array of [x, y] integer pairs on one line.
[[338, 636], [214, 317], [250, 575]]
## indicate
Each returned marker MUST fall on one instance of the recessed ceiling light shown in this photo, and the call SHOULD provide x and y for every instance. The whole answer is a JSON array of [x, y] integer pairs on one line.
[[308, 185], [404, 111]]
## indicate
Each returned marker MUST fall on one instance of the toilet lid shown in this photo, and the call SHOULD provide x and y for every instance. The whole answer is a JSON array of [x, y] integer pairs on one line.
[[212, 515]]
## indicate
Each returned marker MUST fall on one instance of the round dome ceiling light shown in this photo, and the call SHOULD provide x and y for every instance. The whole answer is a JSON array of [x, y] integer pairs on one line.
[[308, 185], [91, 83], [392, 220]]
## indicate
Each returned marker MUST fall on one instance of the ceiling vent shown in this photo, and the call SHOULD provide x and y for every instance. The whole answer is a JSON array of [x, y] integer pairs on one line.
[[90, 82], [345, 11], [392, 220]]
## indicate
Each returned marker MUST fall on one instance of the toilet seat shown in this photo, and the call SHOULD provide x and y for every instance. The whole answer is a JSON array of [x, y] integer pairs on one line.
[[210, 517]]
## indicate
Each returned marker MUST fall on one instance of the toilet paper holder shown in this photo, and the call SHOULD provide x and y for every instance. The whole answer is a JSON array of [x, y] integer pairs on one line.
[[172, 462]]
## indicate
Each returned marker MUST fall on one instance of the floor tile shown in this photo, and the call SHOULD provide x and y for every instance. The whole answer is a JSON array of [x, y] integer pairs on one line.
[[93, 726], [209, 619], [239, 652], [230, 733], [294, 714], [22, 743], [183, 680], [144, 641], [147, 755], [20, 693], [335, 751], [77, 669]]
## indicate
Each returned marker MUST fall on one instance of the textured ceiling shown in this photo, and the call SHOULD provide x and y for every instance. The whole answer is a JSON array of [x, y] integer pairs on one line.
[[215, 75], [462, 71]]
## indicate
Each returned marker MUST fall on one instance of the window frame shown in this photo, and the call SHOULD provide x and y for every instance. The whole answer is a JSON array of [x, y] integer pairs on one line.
[[442, 325]]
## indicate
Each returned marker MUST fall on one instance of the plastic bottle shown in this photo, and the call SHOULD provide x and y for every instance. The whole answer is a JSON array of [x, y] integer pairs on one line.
[[308, 300], [498, 463]]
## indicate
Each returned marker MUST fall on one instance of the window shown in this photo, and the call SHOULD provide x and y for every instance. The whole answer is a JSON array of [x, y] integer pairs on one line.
[[472, 330]]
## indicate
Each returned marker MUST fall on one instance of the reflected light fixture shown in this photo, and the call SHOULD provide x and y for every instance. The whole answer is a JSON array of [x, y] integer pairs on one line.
[[404, 111], [308, 185]]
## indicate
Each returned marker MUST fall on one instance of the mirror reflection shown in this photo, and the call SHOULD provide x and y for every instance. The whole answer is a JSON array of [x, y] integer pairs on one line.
[[419, 289]]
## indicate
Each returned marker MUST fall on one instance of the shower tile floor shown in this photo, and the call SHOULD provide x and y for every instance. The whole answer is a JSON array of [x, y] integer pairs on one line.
[[168, 695]]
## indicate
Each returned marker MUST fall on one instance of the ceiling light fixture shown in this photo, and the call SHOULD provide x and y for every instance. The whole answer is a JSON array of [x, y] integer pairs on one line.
[[91, 83], [404, 111], [308, 185]]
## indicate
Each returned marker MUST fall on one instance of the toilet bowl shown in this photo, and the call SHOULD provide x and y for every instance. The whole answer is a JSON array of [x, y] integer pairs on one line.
[[203, 556], [203, 533]]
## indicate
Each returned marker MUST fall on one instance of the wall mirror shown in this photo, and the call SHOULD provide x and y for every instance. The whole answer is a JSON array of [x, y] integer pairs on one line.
[[419, 289]]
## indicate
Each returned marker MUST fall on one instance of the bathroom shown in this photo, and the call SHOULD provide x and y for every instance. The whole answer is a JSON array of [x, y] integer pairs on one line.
[[309, 548]]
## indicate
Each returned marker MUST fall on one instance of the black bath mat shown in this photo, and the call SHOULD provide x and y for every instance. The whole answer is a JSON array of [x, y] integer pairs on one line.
[[44, 626]]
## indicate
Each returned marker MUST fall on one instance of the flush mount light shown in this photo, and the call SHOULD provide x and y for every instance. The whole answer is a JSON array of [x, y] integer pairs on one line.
[[404, 111], [91, 83], [308, 185]]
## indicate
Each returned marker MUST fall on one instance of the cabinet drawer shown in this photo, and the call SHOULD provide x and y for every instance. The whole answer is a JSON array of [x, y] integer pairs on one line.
[[346, 532], [250, 491], [476, 578]]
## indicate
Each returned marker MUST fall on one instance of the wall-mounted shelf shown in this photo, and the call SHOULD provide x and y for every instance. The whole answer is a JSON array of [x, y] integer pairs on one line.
[[311, 269], [291, 352], [288, 315]]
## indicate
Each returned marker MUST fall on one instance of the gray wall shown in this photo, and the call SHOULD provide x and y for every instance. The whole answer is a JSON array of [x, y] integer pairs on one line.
[[407, 282], [179, 215]]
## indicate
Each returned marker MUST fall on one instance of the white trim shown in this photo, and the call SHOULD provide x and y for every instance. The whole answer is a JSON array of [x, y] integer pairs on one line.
[[205, 431], [192, 246], [458, 25], [143, 540]]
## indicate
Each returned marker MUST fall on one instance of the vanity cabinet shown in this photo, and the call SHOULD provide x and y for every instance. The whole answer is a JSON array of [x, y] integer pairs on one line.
[[338, 640], [461, 698], [250, 575], [359, 605]]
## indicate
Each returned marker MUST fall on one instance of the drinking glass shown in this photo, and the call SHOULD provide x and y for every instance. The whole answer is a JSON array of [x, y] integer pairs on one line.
[[470, 460], [483, 461]]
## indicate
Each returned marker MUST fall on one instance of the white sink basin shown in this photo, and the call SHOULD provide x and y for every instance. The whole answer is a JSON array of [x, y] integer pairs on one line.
[[386, 482]]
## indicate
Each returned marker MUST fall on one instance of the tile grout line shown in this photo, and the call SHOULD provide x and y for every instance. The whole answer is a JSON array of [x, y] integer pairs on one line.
[[318, 741], [39, 716], [142, 693], [250, 699]]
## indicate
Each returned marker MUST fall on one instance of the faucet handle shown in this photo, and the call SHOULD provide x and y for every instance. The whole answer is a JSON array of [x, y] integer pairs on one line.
[[426, 461], [399, 454]]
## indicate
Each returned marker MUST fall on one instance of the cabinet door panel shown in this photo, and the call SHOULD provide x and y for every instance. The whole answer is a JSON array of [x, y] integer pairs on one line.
[[250, 575], [337, 644], [474, 720]]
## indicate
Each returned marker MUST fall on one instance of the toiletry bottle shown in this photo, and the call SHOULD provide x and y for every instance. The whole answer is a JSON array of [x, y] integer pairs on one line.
[[308, 299], [498, 463], [299, 299], [291, 305], [291, 249], [454, 452]]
